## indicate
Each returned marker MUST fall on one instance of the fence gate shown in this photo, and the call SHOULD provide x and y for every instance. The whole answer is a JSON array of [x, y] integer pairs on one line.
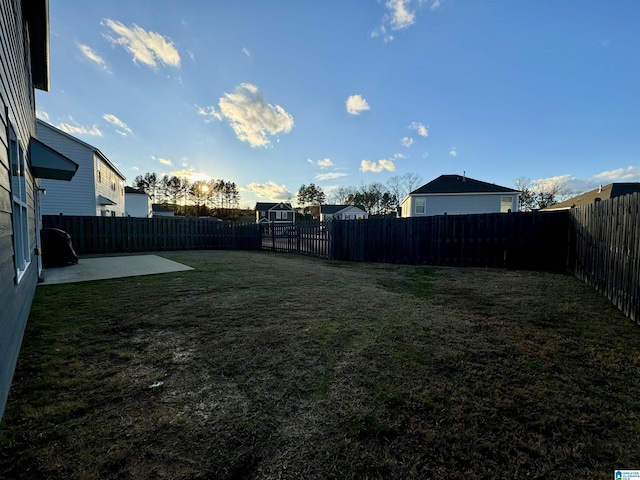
[[306, 238]]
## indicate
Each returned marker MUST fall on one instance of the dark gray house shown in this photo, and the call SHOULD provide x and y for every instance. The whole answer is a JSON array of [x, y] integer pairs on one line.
[[24, 65], [273, 213]]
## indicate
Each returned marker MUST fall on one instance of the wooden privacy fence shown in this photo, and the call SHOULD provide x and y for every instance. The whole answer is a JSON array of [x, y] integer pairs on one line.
[[607, 250], [129, 234], [534, 240]]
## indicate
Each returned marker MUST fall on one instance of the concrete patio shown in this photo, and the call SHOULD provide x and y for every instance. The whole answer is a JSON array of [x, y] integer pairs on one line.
[[102, 268]]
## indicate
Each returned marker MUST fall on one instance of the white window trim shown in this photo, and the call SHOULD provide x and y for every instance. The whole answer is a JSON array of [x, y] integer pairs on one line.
[[423, 201], [20, 210]]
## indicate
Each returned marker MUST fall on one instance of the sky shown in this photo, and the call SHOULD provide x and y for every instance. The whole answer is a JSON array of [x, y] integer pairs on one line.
[[275, 94]]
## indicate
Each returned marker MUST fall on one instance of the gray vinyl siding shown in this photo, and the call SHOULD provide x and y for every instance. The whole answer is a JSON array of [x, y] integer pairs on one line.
[[458, 204], [462, 204], [77, 197], [18, 108]]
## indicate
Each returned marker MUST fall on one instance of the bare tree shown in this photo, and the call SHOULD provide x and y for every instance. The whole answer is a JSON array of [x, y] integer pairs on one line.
[[402, 185]]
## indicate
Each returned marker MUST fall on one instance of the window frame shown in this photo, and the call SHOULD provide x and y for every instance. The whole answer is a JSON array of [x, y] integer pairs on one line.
[[19, 206], [503, 204], [420, 202]]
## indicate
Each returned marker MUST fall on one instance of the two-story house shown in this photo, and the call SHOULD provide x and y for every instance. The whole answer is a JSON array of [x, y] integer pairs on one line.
[[96, 190], [24, 65], [272, 213]]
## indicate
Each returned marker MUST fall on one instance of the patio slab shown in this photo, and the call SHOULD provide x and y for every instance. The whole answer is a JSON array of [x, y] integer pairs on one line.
[[102, 268]]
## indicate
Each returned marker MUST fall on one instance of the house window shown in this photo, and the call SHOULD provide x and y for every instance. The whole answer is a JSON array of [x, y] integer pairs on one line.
[[22, 249], [279, 215], [506, 204], [421, 205], [347, 216]]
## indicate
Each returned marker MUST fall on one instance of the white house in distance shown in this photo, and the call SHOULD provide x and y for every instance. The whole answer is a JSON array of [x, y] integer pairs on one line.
[[275, 213], [457, 195], [161, 211], [137, 203], [342, 212], [97, 189]]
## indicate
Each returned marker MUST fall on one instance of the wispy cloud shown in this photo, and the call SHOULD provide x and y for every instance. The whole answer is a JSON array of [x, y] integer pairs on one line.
[[399, 16], [368, 166], [42, 115], [210, 112], [324, 163], [627, 174], [190, 174], [149, 48], [453, 152], [252, 118], [356, 104], [271, 191], [88, 52], [122, 129], [435, 5], [331, 176], [407, 141], [246, 52], [165, 161], [80, 129], [420, 128]]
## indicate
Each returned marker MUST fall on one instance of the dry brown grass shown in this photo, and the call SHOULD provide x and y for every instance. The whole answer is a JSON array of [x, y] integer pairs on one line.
[[277, 366]]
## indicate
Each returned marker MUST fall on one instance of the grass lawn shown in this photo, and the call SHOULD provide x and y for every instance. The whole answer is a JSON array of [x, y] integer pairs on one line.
[[279, 366]]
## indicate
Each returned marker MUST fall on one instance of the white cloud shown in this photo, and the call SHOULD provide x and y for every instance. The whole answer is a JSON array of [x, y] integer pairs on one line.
[[627, 174], [165, 161], [356, 104], [79, 129], [270, 190], [135, 168], [368, 166], [210, 112], [420, 128], [435, 5], [251, 117], [93, 56], [246, 52], [146, 47], [42, 115], [399, 16], [407, 141], [123, 128], [330, 176], [190, 174], [453, 152], [399, 156], [325, 163]]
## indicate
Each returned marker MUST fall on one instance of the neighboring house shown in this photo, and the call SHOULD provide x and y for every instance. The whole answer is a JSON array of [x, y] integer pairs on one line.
[[137, 203], [24, 65], [342, 212], [97, 189], [275, 213], [459, 194], [612, 190], [160, 211]]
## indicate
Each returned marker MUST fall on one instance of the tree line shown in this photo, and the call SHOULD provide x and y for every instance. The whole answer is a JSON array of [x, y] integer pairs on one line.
[[218, 198], [376, 198]]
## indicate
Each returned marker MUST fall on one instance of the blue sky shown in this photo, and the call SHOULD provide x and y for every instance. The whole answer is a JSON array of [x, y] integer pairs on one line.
[[275, 94]]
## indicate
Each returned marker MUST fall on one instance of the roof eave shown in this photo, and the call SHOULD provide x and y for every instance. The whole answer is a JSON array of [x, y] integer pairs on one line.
[[36, 15]]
